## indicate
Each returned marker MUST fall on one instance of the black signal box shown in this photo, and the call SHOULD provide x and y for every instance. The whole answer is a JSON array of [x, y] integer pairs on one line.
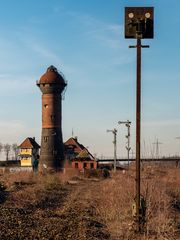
[[139, 22]]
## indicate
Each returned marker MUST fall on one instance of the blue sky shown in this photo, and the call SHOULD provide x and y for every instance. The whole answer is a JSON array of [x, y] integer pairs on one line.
[[85, 40]]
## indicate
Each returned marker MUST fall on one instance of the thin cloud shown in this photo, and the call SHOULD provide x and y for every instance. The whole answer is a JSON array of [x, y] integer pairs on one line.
[[15, 129], [108, 34], [17, 132], [11, 84], [45, 53]]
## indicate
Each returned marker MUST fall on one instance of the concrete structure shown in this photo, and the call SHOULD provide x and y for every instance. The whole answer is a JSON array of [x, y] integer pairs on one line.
[[77, 156], [29, 153], [51, 84]]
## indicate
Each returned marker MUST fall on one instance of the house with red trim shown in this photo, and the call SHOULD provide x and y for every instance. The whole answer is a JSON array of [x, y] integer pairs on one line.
[[77, 156]]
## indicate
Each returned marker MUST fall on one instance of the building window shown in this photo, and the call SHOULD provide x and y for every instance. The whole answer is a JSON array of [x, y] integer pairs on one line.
[[45, 105], [92, 165], [45, 138], [85, 165], [76, 165]]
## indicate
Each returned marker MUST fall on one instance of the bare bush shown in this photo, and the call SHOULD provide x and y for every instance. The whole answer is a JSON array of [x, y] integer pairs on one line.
[[117, 196]]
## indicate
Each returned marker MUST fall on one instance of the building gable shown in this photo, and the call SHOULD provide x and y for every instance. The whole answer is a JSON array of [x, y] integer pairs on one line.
[[29, 143]]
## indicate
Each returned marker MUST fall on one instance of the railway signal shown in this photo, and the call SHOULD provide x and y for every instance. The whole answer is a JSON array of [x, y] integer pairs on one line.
[[114, 132], [139, 24], [127, 124]]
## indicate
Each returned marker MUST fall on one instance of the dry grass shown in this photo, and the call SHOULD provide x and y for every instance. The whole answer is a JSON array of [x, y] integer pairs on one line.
[[27, 188], [110, 199], [45, 207], [160, 188]]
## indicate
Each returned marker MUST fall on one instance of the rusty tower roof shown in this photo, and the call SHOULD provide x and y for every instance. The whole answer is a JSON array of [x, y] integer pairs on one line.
[[52, 76]]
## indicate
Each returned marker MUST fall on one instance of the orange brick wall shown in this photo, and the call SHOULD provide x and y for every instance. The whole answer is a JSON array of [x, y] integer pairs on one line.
[[51, 114], [81, 164]]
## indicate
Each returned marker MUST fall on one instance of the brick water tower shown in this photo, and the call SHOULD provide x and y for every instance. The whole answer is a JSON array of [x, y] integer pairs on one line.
[[52, 85]]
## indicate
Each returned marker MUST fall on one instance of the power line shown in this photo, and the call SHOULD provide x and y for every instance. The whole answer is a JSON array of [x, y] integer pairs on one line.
[[157, 143]]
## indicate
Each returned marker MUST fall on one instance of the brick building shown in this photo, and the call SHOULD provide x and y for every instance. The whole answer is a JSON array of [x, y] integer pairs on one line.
[[77, 156]]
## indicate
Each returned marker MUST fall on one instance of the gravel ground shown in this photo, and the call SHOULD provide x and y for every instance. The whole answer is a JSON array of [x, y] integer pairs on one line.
[[62, 213]]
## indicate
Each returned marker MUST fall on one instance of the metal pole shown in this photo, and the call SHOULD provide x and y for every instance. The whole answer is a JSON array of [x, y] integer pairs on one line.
[[138, 131], [128, 143], [114, 131], [128, 148], [115, 148]]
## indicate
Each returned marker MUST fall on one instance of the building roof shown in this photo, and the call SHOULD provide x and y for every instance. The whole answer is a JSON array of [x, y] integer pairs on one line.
[[78, 149], [29, 143], [52, 76], [73, 143], [85, 154]]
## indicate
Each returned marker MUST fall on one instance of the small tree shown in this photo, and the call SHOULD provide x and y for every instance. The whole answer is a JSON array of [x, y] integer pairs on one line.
[[7, 149], [15, 150]]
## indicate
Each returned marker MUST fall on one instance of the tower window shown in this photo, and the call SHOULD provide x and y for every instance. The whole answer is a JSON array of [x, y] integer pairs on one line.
[[52, 117], [45, 138], [54, 152], [45, 105]]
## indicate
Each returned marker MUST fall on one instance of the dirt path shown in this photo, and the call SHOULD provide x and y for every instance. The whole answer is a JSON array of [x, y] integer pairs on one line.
[[63, 213]]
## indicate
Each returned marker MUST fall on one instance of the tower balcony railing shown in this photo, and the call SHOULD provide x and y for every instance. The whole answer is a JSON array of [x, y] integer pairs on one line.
[[37, 82], [65, 81]]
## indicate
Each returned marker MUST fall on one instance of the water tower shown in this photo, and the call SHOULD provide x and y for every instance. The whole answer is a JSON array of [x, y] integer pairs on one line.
[[52, 85]]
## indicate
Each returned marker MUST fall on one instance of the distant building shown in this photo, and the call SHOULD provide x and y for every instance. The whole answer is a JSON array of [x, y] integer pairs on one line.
[[29, 153], [77, 156]]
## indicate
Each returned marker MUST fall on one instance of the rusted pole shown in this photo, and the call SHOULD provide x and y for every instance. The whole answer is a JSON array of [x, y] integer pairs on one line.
[[138, 131], [115, 149], [128, 141]]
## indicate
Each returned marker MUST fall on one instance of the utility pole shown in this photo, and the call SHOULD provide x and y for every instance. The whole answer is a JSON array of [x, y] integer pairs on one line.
[[177, 162], [138, 25], [157, 143], [114, 131], [127, 124]]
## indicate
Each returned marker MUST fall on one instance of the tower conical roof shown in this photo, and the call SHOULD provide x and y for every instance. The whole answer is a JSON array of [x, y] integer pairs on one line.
[[52, 76]]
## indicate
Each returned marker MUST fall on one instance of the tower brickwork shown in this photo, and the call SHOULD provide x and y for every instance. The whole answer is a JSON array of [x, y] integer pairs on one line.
[[51, 84]]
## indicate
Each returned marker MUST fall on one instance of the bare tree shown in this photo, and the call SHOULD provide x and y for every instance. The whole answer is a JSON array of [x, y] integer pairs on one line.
[[7, 149], [1, 147], [15, 150]]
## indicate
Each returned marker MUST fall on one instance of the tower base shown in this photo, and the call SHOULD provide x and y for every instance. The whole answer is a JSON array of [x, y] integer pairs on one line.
[[52, 150]]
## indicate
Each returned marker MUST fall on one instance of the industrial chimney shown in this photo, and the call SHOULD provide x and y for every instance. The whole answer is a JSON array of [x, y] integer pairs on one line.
[[52, 85]]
